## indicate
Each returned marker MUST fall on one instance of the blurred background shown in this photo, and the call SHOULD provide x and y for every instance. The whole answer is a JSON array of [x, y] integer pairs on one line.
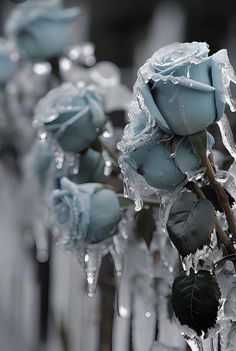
[[125, 32]]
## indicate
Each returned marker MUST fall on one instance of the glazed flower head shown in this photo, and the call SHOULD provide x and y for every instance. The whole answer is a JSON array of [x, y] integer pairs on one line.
[[40, 28], [73, 114], [183, 89], [86, 214], [161, 159]]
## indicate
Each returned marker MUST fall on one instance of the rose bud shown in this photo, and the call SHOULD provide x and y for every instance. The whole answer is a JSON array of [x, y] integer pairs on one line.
[[87, 213]]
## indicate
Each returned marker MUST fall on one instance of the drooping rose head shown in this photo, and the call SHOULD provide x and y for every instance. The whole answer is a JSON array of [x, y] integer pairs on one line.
[[86, 213], [73, 114], [161, 159], [41, 28], [183, 89]]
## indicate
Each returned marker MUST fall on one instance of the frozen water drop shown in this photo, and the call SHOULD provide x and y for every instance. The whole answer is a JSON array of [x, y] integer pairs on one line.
[[138, 204], [108, 132], [123, 312], [108, 167], [227, 135], [194, 342], [148, 314]]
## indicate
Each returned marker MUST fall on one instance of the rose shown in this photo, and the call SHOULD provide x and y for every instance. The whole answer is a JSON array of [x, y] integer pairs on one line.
[[89, 213], [73, 114], [7, 62], [160, 169], [91, 168], [183, 89], [163, 160], [40, 28]]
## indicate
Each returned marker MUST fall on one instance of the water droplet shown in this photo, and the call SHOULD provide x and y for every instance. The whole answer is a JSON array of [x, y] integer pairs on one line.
[[148, 314], [138, 204], [123, 312]]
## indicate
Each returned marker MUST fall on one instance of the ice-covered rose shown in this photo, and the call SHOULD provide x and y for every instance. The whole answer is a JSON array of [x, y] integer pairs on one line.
[[41, 28], [163, 160], [73, 114], [183, 89], [88, 213], [7, 61]]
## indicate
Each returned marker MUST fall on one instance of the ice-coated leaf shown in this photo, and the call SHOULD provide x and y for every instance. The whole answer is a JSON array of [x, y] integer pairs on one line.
[[195, 300], [190, 223]]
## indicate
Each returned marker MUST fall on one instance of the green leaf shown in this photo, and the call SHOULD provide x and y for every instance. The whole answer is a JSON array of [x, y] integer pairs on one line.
[[199, 142], [145, 225], [190, 223], [195, 300]]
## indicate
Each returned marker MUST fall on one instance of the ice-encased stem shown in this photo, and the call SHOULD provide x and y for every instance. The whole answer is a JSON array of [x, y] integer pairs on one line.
[[222, 196], [227, 135], [194, 343]]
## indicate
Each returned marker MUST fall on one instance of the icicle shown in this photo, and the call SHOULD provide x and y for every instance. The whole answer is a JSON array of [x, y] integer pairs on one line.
[[108, 132], [143, 322], [117, 250], [120, 333], [227, 135], [92, 263], [124, 294], [194, 342], [138, 204]]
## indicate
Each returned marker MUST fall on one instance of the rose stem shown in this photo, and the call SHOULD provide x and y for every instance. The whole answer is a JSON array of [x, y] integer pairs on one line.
[[221, 233], [54, 61], [222, 196], [112, 153]]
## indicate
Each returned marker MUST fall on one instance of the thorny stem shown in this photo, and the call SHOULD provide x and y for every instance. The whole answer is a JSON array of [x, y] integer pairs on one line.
[[224, 200], [220, 232]]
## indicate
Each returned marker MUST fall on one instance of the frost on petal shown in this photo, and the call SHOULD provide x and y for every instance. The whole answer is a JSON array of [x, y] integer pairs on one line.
[[175, 54], [226, 71], [137, 133]]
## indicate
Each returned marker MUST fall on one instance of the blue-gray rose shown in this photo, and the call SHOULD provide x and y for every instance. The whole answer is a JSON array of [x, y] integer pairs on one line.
[[7, 61], [41, 28], [88, 213], [163, 160], [183, 89], [73, 114]]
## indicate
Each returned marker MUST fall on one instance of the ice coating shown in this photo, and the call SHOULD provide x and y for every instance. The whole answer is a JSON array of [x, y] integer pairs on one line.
[[135, 135], [63, 99], [73, 208], [177, 54], [226, 71], [138, 135], [227, 135], [178, 75]]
